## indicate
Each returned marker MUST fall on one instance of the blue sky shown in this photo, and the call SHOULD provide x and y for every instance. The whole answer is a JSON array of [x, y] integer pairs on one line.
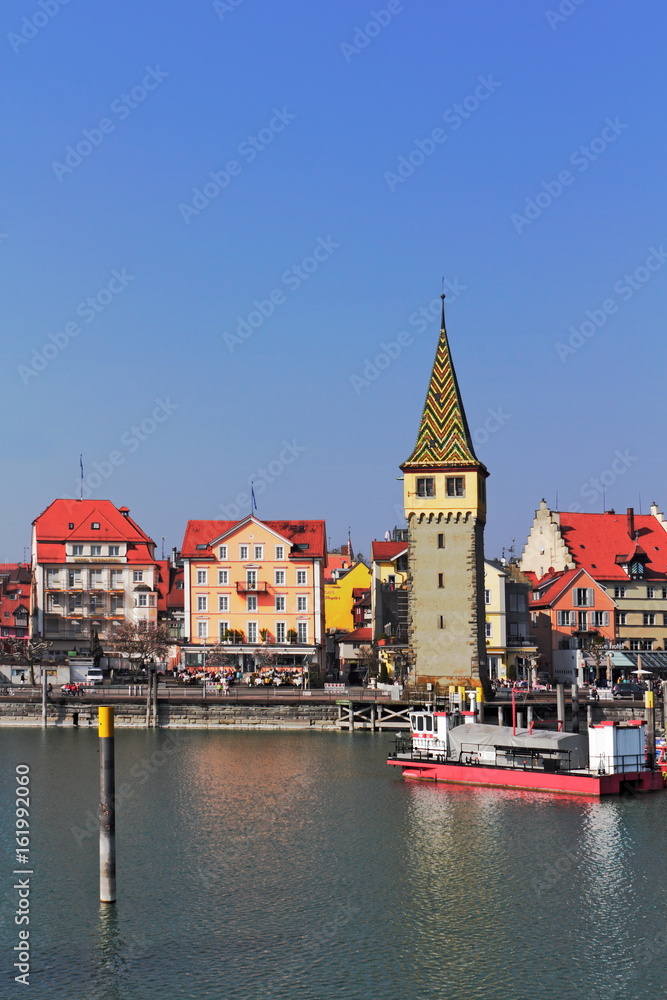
[[207, 242]]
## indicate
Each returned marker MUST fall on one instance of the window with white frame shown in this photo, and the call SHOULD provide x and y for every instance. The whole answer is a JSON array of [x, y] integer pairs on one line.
[[243, 551], [302, 631], [280, 553], [650, 592], [202, 576], [619, 591], [302, 603], [280, 603], [224, 627], [222, 552], [142, 601], [52, 578], [487, 596], [258, 553], [138, 575], [223, 603], [488, 629], [96, 550], [223, 577], [301, 577], [202, 603], [251, 604], [281, 631], [116, 579], [649, 618], [96, 579], [114, 550], [202, 630], [252, 632], [565, 617], [280, 578], [425, 486], [600, 618], [583, 597], [455, 486], [622, 617], [77, 550]]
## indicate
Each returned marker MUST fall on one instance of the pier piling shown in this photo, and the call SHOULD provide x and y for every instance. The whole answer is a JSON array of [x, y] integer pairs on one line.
[[560, 705], [107, 806], [575, 708]]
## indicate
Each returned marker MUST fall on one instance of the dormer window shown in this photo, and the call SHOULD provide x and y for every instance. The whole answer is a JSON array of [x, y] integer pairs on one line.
[[636, 568], [95, 525]]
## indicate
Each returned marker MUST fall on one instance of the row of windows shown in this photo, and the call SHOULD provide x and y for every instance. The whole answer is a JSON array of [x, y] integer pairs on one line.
[[252, 631], [251, 602], [251, 577], [651, 592], [599, 618], [95, 550], [96, 578], [454, 486], [244, 552], [72, 603]]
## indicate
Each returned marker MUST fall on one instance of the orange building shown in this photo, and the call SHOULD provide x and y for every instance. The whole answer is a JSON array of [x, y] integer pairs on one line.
[[253, 584], [568, 610]]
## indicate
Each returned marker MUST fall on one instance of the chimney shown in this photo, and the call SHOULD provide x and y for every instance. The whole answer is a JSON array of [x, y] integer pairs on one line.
[[631, 522], [174, 555]]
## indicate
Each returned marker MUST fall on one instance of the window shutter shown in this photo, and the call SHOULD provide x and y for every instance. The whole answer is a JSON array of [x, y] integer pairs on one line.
[[591, 597]]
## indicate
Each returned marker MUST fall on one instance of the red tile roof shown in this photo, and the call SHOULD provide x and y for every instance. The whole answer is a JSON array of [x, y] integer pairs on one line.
[[359, 635], [170, 595], [385, 551], [550, 587], [596, 540], [52, 528], [336, 560], [306, 533]]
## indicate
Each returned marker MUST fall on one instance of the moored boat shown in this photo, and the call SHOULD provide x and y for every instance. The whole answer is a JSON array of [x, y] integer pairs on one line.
[[607, 760]]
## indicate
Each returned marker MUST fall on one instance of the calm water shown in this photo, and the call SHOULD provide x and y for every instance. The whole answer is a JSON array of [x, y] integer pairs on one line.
[[298, 865]]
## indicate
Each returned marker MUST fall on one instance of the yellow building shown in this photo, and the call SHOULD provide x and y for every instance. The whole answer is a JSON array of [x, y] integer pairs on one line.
[[252, 584], [338, 597]]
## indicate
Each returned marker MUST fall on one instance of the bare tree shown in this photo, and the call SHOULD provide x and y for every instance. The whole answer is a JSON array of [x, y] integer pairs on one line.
[[142, 641], [33, 651], [219, 656]]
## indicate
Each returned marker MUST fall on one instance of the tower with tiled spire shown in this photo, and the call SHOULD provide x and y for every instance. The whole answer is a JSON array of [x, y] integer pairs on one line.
[[445, 507]]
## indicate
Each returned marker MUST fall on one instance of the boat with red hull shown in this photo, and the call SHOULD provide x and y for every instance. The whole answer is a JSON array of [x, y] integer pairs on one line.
[[608, 760]]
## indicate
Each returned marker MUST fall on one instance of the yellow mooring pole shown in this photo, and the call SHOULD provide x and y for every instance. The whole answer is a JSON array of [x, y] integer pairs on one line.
[[107, 807]]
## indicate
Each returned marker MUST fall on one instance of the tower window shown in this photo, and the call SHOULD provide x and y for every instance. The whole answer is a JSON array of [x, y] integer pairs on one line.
[[426, 487], [441, 541], [455, 486], [441, 621], [441, 579]]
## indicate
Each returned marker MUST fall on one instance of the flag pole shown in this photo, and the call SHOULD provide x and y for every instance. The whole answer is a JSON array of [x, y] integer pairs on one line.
[[81, 487]]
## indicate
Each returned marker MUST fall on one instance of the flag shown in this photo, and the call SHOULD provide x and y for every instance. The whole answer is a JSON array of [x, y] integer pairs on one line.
[[252, 494]]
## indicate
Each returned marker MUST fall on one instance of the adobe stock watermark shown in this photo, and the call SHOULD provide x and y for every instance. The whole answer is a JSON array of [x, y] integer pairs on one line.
[[261, 478], [594, 489], [565, 9], [494, 420], [130, 441], [581, 158], [87, 310], [624, 288], [292, 279], [364, 34], [249, 149], [454, 116], [31, 26], [121, 108], [140, 772], [223, 7], [390, 352]]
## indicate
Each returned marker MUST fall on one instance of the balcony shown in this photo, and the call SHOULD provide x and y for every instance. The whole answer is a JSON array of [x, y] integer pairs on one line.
[[258, 587]]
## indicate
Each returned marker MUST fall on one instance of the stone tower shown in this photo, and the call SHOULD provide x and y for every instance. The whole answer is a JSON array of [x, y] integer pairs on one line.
[[445, 507]]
